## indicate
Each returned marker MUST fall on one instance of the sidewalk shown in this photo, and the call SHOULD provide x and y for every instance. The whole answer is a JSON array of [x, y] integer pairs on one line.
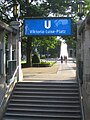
[[56, 72]]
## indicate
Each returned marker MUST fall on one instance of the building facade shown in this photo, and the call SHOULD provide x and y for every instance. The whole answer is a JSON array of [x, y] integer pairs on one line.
[[9, 60], [83, 61]]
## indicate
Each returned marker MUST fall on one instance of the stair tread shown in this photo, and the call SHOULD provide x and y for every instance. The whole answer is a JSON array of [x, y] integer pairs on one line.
[[56, 113], [47, 85], [38, 96], [49, 82], [43, 110], [46, 90], [44, 101], [44, 115], [37, 105], [16, 88], [56, 93], [39, 118]]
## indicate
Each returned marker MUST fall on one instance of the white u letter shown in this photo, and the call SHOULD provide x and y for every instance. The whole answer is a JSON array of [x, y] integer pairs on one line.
[[47, 24]]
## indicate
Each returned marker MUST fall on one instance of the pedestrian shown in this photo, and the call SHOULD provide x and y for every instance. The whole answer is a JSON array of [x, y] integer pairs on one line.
[[61, 59], [65, 59]]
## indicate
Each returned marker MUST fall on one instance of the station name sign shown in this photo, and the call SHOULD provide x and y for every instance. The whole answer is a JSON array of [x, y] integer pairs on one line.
[[53, 26]]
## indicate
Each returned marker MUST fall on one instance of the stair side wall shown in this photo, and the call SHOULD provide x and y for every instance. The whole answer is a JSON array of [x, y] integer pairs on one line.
[[84, 32]]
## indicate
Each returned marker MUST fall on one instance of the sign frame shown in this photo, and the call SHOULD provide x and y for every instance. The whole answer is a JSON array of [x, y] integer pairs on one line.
[[49, 18]]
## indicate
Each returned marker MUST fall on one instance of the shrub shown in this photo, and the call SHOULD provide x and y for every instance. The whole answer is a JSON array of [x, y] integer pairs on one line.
[[36, 58], [43, 64], [43, 57]]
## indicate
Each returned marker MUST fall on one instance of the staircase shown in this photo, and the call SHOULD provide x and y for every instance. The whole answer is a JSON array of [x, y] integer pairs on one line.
[[44, 101]]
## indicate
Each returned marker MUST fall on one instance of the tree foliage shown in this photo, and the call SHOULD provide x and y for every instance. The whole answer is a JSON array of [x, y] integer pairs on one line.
[[44, 8]]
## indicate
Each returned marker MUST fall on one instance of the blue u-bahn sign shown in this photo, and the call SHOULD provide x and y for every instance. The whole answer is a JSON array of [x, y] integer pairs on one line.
[[53, 26]]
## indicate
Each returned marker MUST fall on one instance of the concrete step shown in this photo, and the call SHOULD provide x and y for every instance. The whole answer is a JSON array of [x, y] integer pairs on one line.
[[44, 101]]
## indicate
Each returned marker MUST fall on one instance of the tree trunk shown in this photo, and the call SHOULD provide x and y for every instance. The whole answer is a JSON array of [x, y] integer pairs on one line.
[[29, 52]]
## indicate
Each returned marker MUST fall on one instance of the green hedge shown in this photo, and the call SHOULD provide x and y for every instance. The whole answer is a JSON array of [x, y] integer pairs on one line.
[[43, 64]]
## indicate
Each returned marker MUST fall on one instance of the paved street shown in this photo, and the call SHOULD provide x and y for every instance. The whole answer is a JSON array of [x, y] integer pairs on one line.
[[56, 72]]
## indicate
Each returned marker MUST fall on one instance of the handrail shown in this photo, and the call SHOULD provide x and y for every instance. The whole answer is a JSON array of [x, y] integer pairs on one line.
[[8, 92], [12, 79], [81, 99]]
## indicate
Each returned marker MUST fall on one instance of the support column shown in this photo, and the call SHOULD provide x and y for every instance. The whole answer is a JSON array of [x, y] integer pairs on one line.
[[78, 49], [16, 25], [4, 54], [10, 46]]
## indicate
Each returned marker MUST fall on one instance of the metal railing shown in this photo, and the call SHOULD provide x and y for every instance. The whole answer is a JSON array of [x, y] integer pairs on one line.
[[9, 89]]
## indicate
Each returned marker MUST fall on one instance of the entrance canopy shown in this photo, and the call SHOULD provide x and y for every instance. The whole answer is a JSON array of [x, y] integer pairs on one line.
[[50, 26]]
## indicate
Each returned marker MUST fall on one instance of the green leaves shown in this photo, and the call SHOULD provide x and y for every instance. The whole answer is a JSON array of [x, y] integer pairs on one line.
[[44, 8], [47, 42]]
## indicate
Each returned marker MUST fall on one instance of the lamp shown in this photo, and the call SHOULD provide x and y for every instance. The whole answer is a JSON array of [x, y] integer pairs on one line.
[[15, 9], [80, 9]]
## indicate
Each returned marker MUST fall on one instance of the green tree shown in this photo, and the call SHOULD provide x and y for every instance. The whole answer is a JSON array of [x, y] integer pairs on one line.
[[42, 8], [45, 43]]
